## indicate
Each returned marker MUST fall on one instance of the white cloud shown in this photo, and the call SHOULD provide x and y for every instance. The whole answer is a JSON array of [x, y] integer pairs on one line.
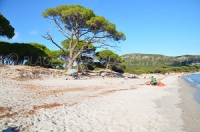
[[34, 32]]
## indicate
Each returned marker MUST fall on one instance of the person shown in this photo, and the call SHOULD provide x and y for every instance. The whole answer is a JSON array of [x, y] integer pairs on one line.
[[153, 81]]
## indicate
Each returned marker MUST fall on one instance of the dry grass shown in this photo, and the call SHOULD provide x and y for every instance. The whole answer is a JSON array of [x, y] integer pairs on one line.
[[4, 109], [23, 74], [36, 72], [54, 92], [46, 72], [33, 111], [29, 72], [49, 106], [8, 115], [31, 86], [72, 104], [7, 111], [45, 106]]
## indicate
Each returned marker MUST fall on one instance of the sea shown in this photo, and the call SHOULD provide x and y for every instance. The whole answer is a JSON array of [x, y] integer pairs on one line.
[[194, 80]]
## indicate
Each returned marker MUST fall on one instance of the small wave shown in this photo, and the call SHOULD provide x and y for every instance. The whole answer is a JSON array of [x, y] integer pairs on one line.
[[188, 79], [193, 78], [198, 85]]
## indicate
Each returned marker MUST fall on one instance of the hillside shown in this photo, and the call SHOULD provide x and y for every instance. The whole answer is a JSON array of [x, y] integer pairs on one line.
[[156, 62]]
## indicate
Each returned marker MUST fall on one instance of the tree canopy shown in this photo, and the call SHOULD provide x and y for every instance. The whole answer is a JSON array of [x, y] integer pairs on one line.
[[109, 58], [6, 30], [77, 23], [31, 53]]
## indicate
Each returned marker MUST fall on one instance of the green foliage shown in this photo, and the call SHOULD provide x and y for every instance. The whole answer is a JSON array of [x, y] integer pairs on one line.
[[31, 53], [82, 44], [56, 58], [84, 20], [100, 23], [18, 52], [111, 60], [98, 65], [6, 30], [97, 68], [82, 28], [70, 12], [107, 54], [152, 63], [90, 67]]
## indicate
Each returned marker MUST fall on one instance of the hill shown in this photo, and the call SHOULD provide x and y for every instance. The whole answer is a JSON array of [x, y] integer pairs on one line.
[[150, 63]]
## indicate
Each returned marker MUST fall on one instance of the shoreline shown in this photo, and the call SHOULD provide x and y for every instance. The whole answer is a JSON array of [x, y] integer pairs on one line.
[[190, 107], [96, 104]]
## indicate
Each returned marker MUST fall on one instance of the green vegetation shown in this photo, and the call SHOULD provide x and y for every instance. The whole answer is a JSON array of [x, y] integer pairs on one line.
[[82, 28], [83, 57], [6, 30], [35, 54], [152, 63], [29, 53], [85, 32], [110, 60]]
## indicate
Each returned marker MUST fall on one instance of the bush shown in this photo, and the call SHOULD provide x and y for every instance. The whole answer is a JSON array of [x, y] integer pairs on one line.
[[97, 69], [114, 68], [98, 64], [90, 67]]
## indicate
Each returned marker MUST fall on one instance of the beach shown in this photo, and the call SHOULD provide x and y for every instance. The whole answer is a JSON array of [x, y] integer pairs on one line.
[[111, 104], [190, 108]]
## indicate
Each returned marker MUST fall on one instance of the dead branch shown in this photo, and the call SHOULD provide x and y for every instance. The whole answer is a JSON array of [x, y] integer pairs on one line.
[[48, 37]]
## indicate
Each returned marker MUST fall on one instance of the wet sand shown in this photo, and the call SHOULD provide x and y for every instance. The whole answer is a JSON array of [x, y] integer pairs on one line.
[[190, 107]]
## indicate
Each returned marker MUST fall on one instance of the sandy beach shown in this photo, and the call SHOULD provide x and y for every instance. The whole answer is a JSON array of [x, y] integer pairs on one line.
[[190, 108], [110, 105]]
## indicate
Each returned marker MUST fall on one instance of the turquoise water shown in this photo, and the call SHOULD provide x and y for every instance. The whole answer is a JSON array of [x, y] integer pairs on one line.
[[194, 79]]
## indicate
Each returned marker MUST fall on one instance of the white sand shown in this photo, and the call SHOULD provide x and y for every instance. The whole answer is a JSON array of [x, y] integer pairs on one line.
[[90, 105]]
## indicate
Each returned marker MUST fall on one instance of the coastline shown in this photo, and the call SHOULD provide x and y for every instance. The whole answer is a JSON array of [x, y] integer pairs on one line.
[[190, 107], [96, 104]]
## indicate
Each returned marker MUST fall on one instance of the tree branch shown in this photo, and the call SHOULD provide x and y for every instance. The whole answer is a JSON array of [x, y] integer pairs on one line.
[[48, 37], [60, 29]]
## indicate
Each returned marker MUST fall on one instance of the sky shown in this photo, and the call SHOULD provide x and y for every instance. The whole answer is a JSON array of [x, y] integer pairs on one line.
[[167, 27]]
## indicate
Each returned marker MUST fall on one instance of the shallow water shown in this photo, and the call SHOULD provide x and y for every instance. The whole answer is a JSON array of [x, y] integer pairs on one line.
[[194, 80]]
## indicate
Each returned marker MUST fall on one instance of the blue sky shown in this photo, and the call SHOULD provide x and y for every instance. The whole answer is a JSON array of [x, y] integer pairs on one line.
[[168, 27]]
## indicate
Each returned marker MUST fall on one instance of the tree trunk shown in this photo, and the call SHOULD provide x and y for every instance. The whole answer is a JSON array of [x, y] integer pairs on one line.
[[2, 59], [77, 66], [77, 63], [107, 66], [70, 65]]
